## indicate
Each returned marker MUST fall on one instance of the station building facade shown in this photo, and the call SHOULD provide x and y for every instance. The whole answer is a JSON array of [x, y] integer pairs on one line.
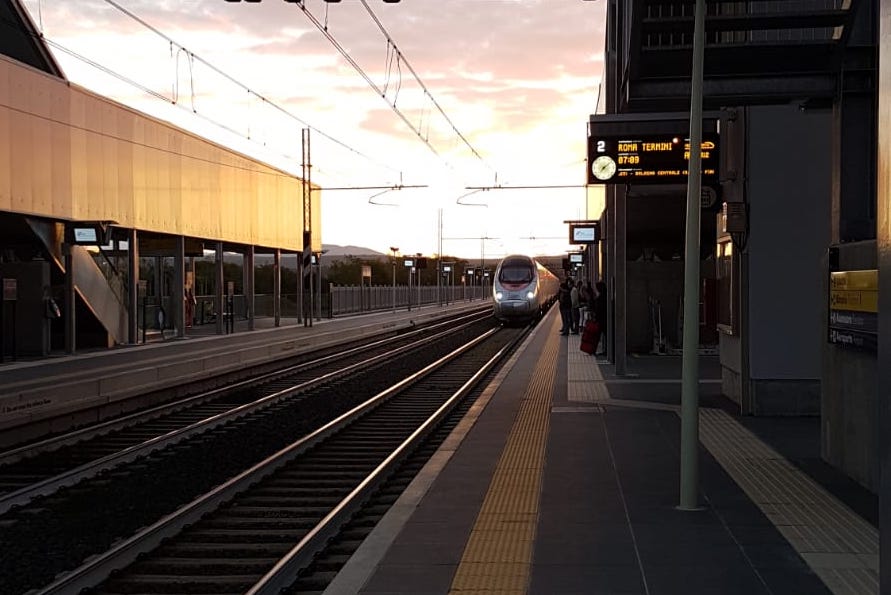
[[89, 189], [794, 90]]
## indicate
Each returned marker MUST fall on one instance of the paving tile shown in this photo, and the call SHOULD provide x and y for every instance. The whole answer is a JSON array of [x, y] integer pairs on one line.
[[441, 532], [410, 579], [658, 535], [605, 552], [757, 534], [789, 581], [729, 557], [704, 579], [429, 554], [567, 579], [775, 556], [583, 513]]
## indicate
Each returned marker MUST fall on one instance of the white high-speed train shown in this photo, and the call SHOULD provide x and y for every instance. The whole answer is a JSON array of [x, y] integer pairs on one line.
[[523, 289]]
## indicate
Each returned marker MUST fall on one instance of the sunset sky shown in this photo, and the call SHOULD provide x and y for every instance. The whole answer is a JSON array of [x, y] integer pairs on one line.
[[488, 93]]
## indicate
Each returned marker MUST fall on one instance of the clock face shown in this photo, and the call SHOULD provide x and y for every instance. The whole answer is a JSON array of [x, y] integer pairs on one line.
[[603, 167]]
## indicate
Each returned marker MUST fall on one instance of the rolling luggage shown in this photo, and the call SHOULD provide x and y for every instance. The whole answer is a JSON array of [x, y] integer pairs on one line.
[[590, 337]]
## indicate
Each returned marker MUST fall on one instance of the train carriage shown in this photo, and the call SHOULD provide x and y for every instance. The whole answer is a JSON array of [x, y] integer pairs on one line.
[[522, 289]]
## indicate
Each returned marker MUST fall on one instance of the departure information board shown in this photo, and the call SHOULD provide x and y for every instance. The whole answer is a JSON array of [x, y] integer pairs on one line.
[[648, 159]]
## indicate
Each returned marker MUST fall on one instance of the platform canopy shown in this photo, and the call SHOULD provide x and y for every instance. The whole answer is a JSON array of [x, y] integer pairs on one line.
[[769, 51]]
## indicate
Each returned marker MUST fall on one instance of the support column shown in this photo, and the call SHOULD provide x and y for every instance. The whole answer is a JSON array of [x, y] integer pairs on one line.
[[159, 289], [608, 268], [218, 287], [133, 288], [70, 301], [178, 291], [277, 287], [853, 171], [883, 243], [621, 280], [249, 285]]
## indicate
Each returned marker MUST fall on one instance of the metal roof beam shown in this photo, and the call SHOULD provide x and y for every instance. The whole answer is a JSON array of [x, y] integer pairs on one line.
[[748, 22]]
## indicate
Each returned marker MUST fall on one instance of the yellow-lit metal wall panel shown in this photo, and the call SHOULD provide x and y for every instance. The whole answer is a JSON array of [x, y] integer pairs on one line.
[[61, 172], [66, 153], [5, 134], [316, 220]]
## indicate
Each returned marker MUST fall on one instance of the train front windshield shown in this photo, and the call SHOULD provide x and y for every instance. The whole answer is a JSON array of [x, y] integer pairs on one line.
[[516, 273]]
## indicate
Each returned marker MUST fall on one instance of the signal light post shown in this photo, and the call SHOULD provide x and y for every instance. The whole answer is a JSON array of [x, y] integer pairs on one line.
[[394, 250]]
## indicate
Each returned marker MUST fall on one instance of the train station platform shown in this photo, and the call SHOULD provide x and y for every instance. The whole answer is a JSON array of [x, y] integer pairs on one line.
[[565, 479]]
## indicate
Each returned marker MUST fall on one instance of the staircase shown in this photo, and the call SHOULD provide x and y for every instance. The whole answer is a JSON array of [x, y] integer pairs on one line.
[[101, 288]]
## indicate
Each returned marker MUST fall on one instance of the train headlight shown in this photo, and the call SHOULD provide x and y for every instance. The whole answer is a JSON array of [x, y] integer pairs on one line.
[[530, 295], [499, 295]]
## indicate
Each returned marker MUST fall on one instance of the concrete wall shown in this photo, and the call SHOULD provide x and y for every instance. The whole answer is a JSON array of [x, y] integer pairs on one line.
[[788, 160], [26, 316], [662, 281], [849, 405]]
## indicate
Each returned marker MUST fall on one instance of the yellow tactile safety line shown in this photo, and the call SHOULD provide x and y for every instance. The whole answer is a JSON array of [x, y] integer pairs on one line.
[[498, 555]]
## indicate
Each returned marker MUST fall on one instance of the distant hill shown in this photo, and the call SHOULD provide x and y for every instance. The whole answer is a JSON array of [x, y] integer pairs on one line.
[[335, 250], [332, 252]]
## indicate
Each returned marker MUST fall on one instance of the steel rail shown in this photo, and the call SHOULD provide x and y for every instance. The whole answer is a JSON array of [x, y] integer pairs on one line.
[[129, 454], [286, 571], [101, 567]]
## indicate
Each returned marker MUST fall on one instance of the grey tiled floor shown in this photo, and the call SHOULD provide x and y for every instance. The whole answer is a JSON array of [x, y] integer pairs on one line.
[[783, 528]]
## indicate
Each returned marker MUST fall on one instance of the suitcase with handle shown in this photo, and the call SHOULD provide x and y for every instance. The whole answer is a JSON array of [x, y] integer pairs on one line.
[[590, 337]]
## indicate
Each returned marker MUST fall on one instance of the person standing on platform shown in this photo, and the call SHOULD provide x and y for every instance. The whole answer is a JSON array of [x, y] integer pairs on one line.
[[564, 300], [574, 313], [586, 302], [189, 302]]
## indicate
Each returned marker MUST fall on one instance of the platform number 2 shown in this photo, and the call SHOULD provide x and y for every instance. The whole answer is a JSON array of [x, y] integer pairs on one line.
[[601, 146]]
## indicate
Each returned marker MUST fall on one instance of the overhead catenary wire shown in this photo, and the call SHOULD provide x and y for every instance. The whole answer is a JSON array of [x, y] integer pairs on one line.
[[358, 68], [238, 83], [537, 187], [435, 103], [394, 55]]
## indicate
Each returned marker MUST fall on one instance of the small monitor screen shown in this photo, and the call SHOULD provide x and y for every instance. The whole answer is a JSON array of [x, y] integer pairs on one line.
[[581, 235], [85, 235], [575, 258]]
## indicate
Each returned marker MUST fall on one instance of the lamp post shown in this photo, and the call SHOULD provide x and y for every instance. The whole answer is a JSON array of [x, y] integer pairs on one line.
[[319, 284], [689, 480], [394, 250], [417, 269], [482, 264]]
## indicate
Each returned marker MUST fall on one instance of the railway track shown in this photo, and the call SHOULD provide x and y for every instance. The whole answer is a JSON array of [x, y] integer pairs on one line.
[[41, 468], [136, 495]]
